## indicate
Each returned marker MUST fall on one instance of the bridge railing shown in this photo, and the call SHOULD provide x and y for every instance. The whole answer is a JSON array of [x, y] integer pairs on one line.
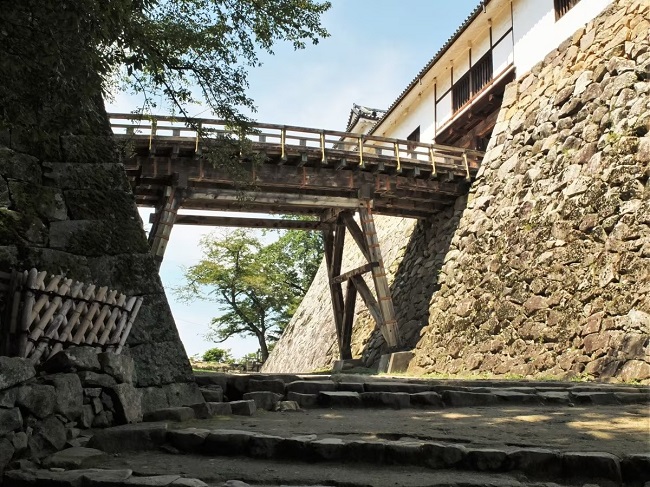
[[285, 138]]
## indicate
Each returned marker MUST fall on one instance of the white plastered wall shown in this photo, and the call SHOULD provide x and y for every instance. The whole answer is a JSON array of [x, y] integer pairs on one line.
[[536, 32]]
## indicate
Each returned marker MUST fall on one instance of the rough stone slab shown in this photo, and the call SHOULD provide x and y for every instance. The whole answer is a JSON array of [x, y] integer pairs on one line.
[[351, 387], [219, 408], [188, 482], [263, 399], [8, 397], [38, 399], [227, 442], [399, 362], [394, 400], [339, 399], [73, 359], [49, 436], [468, 399], [212, 379], [329, 449], [130, 437], [98, 477], [120, 367], [485, 459], [632, 397], [310, 387], [212, 394], [554, 397], [14, 370], [591, 465], [182, 394], [287, 407], [270, 385], [243, 408], [426, 399], [171, 414], [68, 394], [636, 468], [343, 365], [128, 403], [600, 398], [365, 451], [305, 401], [188, 440], [95, 379], [153, 398], [437, 455], [72, 458], [264, 446], [7, 451], [10, 420], [538, 462], [151, 481], [405, 452], [396, 387], [517, 397]]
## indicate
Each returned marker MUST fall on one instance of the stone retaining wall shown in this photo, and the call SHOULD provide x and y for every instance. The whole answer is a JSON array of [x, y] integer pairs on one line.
[[546, 273]]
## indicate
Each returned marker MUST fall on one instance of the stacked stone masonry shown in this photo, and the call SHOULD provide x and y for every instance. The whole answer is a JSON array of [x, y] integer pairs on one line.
[[544, 268]]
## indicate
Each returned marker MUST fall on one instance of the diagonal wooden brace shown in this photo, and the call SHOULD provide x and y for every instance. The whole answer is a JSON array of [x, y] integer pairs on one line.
[[163, 222]]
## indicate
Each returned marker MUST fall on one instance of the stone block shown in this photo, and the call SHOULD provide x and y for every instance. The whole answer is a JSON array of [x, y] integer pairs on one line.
[[14, 370], [214, 394], [263, 446], [591, 465], [72, 458], [304, 400], [343, 365], [182, 394], [600, 398], [19, 166], [120, 367], [382, 366], [188, 482], [87, 416], [350, 387], [287, 407], [128, 403], [6, 453], [514, 397], [329, 449], [263, 400], [536, 462], [394, 400], [407, 387], [405, 452], [468, 399], [134, 274], [103, 419], [635, 468], [339, 399], [273, 385], [243, 408], [227, 442], [177, 414], [151, 481], [43, 201], [153, 398], [130, 437], [49, 436], [38, 399], [189, 440], [159, 363], [219, 408], [212, 379], [632, 397], [365, 452], [485, 459], [310, 386], [68, 394], [66, 175], [426, 399], [554, 397], [399, 362], [95, 379]]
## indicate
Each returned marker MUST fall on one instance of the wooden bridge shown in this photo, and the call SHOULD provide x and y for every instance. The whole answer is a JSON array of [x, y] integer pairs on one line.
[[295, 170]]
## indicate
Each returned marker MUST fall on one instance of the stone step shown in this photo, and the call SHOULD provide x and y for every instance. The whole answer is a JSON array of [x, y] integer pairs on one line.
[[532, 462]]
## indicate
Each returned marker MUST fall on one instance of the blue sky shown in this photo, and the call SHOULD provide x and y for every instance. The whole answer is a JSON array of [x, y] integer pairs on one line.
[[376, 48]]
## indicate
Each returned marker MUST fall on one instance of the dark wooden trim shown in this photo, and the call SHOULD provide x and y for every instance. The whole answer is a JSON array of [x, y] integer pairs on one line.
[[354, 272], [270, 223]]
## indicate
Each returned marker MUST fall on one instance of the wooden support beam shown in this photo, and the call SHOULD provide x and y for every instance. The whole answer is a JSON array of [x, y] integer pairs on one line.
[[368, 299], [272, 223], [354, 272], [356, 233], [345, 342], [164, 220], [336, 293], [245, 198], [390, 328]]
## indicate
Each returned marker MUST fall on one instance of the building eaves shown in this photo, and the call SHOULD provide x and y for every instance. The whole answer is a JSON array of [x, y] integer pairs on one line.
[[472, 16], [359, 111]]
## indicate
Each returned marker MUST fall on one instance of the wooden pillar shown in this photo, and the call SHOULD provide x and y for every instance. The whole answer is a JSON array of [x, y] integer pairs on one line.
[[164, 219], [334, 239], [390, 328]]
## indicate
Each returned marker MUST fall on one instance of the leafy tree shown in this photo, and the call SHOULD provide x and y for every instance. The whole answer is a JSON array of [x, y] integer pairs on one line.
[[256, 287], [220, 355], [58, 58]]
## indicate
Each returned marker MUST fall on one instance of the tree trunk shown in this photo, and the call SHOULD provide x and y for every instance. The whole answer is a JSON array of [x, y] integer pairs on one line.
[[264, 349]]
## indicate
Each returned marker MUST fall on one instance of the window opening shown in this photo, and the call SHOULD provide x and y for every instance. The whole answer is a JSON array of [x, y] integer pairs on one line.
[[563, 6]]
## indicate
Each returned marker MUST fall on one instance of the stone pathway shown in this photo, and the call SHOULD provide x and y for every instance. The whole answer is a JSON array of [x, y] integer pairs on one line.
[[366, 431]]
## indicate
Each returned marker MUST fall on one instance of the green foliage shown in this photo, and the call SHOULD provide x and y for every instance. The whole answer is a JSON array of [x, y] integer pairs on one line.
[[58, 58], [257, 288], [220, 355]]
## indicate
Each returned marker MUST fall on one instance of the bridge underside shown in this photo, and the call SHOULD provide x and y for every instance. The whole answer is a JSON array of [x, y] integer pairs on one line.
[[170, 174]]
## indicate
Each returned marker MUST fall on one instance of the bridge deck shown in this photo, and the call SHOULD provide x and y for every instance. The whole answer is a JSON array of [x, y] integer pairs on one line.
[[303, 170]]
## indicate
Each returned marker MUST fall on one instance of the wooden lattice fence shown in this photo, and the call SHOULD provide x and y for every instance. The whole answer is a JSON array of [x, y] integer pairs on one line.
[[46, 313]]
